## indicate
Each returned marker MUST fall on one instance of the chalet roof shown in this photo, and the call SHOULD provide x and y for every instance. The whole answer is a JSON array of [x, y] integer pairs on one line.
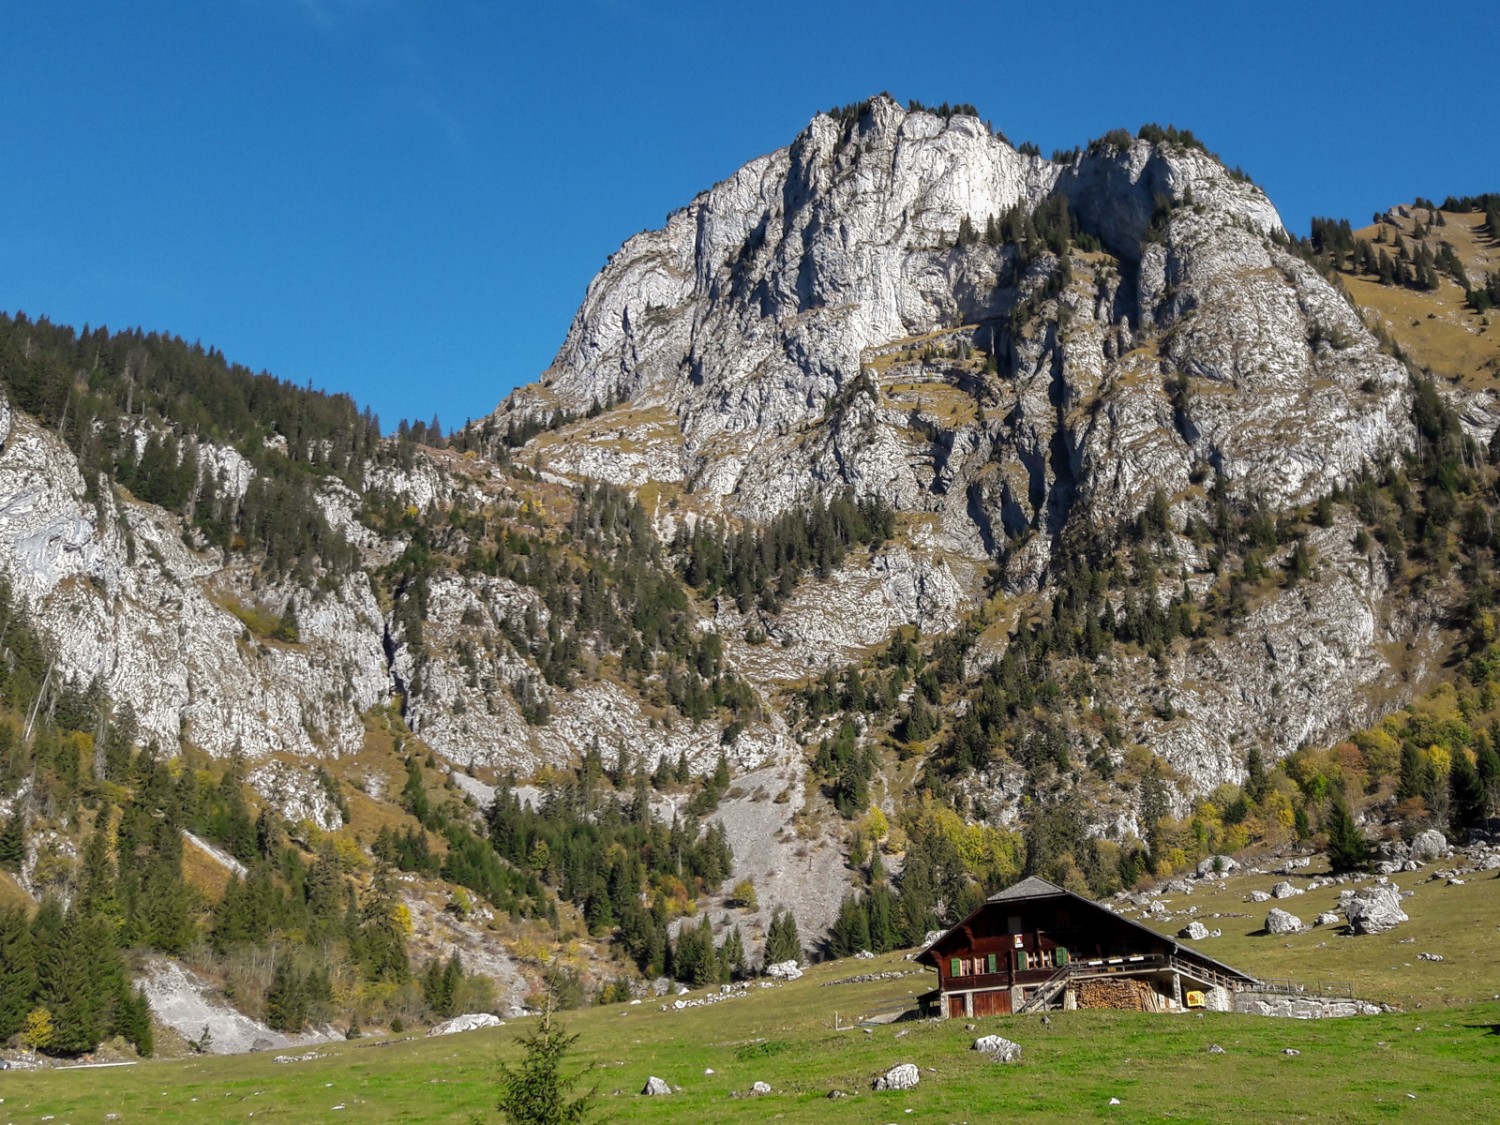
[[1029, 887], [1032, 888]]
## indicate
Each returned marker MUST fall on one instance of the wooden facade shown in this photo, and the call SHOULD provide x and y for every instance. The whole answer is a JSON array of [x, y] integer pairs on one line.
[[1035, 945]]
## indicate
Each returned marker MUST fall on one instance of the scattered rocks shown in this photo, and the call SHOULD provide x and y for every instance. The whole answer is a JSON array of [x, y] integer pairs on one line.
[[318, 1055], [865, 955], [1374, 909], [784, 970], [1194, 931], [903, 1076], [1281, 922], [655, 1087], [998, 1049], [866, 978], [471, 1021]]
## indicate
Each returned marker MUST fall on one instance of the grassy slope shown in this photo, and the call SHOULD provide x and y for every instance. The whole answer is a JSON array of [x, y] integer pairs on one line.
[[1158, 1066], [1436, 329]]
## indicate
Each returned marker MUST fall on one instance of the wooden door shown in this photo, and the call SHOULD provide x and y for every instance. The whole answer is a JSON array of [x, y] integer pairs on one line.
[[993, 1003], [956, 1007]]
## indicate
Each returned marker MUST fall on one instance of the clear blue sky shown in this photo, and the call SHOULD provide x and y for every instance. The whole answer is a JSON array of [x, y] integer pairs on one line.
[[405, 199]]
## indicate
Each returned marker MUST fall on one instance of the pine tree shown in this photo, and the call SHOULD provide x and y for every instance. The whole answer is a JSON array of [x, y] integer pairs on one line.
[[286, 1002], [538, 1092], [783, 943], [13, 842], [1466, 800], [1347, 848], [17, 971]]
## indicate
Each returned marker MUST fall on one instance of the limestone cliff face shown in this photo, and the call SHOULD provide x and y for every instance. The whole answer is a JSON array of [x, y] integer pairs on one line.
[[123, 601], [746, 322], [825, 319]]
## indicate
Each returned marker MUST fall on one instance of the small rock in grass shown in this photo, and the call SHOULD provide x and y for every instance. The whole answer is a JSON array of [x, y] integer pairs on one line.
[[1290, 1051], [1001, 1050], [655, 1087], [1215, 1049]]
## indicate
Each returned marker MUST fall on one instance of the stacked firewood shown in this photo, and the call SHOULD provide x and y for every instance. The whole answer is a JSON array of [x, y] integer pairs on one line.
[[1121, 995]]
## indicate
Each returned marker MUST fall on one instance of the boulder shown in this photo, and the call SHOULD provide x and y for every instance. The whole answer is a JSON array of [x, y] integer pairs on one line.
[[1429, 845], [903, 1076], [1194, 931], [1280, 922], [760, 1088], [1259, 896], [784, 970], [471, 1021], [1157, 908], [1001, 1050], [1327, 918], [655, 1087], [1215, 865], [1284, 889], [1373, 910]]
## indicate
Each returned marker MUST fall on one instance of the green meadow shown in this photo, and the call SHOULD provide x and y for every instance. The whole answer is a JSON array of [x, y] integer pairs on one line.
[[1437, 1059]]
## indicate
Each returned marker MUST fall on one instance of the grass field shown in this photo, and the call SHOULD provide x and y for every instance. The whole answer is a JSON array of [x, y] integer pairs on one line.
[[1439, 1061]]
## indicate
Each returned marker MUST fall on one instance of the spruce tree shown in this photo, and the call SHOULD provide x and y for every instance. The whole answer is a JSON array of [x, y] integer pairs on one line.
[[538, 1092], [1347, 847], [1466, 798], [17, 971]]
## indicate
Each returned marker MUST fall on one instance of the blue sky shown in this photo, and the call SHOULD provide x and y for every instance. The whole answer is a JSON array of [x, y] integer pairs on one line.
[[405, 199]]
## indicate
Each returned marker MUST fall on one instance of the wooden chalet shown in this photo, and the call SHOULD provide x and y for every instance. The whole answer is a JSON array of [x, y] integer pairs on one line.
[[1036, 945]]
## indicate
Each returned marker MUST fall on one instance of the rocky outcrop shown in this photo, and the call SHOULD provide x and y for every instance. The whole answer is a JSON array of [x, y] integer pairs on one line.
[[1374, 909], [126, 605]]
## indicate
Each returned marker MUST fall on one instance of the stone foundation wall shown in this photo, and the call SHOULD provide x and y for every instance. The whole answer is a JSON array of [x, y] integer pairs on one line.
[[1301, 1007]]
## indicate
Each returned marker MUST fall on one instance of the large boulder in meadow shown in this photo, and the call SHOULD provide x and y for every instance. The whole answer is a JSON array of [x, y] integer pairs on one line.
[[901, 1077], [1373, 910], [1282, 922]]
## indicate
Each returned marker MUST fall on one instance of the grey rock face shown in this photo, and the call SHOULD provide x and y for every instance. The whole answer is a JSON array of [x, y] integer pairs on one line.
[[124, 602], [1281, 922], [1373, 910], [800, 329]]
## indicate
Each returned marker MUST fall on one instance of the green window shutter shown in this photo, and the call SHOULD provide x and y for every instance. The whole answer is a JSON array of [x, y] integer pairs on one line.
[[1020, 959], [993, 963], [1059, 956], [953, 967]]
